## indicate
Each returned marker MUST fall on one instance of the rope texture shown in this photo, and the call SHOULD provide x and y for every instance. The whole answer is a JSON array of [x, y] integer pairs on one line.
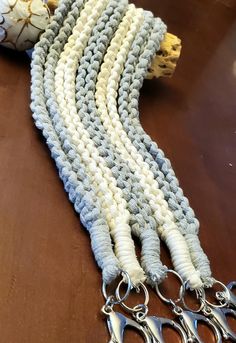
[[87, 71]]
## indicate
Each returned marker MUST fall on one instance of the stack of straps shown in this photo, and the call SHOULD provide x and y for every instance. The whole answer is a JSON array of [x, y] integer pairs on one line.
[[87, 71]]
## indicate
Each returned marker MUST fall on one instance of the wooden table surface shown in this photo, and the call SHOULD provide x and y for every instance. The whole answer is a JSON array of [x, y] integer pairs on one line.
[[49, 282]]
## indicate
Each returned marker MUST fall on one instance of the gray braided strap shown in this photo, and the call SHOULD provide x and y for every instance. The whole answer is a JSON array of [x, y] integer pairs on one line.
[[73, 175], [142, 222], [131, 82]]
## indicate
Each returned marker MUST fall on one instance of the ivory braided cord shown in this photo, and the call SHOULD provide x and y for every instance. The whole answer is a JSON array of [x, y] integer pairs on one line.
[[109, 195], [107, 85], [132, 79], [77, 183], [143, 223]]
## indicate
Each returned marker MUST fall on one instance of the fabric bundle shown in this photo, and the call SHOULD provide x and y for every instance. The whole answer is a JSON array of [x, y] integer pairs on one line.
[[87, 72]]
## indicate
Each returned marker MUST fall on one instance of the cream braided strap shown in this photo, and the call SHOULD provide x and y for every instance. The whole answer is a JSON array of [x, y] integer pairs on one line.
[[107, 86], [109, 195]]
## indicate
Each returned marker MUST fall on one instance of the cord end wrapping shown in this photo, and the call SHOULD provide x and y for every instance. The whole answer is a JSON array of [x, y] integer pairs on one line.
[[181, 257]]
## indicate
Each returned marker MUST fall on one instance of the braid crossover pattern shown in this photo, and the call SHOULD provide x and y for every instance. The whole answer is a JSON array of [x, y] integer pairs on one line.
[[87, 71]]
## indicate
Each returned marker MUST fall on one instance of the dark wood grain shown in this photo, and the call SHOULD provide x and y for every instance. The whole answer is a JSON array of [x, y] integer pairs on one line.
[[49, 282]]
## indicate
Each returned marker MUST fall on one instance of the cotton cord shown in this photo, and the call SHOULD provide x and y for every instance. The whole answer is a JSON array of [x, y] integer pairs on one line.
[[136, 68], [110, 196], [106, 94], [77, 184], [87, 71], [142, 222]]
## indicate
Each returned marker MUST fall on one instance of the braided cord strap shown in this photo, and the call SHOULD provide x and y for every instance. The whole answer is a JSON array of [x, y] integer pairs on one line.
[[87, 71], [107, 86], [109, 195], [47, 119], [142, 222], [136, 68]]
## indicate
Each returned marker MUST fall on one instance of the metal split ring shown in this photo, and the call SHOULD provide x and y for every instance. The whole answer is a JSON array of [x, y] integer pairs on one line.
[[166, 300], [227, 296], [113, 299], [137, 308], [200, 293]]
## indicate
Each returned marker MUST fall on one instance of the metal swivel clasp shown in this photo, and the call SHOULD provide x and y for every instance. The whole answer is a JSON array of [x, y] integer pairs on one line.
[[218, 317], [189, 319], [217, 313], [117, 322], [155, 326], [152, 325]]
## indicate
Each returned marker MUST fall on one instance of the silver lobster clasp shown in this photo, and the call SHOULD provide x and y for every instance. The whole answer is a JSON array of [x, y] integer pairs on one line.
[[190, 320], [117, 323], [218, 317], [228, 297], [217, 313], [155, 326]]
